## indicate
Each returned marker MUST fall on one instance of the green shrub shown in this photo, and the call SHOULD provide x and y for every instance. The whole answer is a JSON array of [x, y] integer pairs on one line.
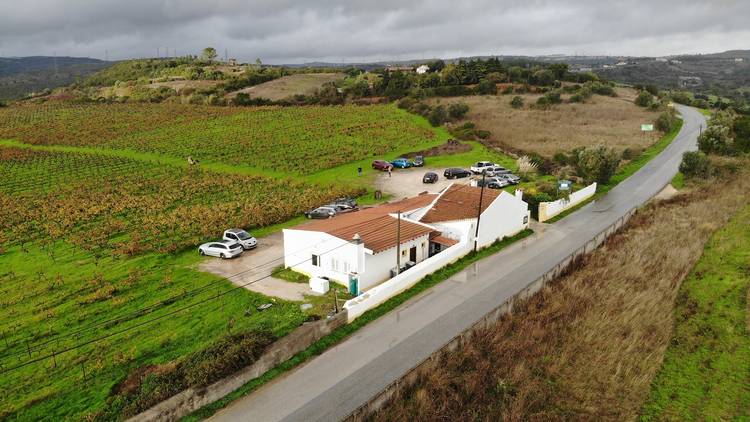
[[715, 140], [665, 122], [742, 134], [457, 110], [438, 116], [644, 99], [596, 164], [486, 87], [695, 164], [516, 102]]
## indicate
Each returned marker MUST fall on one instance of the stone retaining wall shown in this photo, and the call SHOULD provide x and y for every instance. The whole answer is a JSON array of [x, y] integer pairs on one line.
[[193, 399]]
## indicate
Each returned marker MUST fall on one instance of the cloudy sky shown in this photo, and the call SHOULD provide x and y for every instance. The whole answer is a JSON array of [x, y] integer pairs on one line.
[[287, 31]]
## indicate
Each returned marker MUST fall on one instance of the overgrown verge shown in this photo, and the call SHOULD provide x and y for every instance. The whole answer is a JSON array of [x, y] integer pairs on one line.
[[587, 346], [627, 170], [342, 333], [147, 386], [706, 370]]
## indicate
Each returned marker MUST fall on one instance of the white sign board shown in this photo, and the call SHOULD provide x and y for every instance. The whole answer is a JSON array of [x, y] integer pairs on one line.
[[647, 128]]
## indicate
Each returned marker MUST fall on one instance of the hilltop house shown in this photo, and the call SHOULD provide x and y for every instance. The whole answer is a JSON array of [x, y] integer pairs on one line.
[[365, 248], [423, 69]]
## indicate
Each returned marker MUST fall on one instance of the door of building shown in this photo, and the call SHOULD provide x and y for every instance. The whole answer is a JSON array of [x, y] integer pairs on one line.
[[413, 254]]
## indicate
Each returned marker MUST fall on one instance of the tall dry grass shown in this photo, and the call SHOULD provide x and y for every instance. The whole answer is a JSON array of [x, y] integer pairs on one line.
[[587, 346], [614, 122]]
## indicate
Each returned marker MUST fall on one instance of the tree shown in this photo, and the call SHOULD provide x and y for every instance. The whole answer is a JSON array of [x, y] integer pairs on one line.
[[665, 122], [644, 99], [715, 140], [516, 102], [209, 54], [486, 87], [742, 134], [457, 110], [438, 116], [695, 164], [596, 164]]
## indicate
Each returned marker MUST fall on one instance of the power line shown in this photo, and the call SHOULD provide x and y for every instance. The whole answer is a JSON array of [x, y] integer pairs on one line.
[[160, 317]]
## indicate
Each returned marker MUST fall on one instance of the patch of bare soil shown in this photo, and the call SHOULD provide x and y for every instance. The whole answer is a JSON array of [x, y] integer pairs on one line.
[[451, 147]]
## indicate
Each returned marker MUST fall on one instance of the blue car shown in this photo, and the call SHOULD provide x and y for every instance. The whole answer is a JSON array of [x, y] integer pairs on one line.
[[401, 163]]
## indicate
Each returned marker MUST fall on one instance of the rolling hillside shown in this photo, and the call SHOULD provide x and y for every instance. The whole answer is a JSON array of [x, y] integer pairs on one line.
[[22, 75]]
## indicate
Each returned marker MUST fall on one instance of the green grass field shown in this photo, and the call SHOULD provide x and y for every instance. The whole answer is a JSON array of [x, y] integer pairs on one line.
[[706, 371], [96, 245], [100, 214]]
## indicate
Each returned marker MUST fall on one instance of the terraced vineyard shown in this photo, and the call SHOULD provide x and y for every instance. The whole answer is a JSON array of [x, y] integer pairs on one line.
[[298, 140]]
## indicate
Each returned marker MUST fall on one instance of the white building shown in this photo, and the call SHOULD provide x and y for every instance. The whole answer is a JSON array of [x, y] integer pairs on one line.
[[369, 245], [423, 69]]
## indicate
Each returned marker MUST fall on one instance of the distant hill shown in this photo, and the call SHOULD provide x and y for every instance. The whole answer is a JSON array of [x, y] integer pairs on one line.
[[718, 73], [22, 75]]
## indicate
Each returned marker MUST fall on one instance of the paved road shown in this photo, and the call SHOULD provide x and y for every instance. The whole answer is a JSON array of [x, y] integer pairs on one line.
[[334, 384]]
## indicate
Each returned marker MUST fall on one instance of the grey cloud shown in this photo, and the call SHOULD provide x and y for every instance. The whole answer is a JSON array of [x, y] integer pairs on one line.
[[293, 31]]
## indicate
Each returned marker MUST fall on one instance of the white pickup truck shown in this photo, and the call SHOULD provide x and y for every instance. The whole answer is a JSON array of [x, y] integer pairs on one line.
[[479, 167]]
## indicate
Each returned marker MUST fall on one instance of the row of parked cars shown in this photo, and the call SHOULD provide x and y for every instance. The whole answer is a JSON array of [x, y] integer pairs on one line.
[[399, 163], [233, 243], [338, 206], [494, 175]]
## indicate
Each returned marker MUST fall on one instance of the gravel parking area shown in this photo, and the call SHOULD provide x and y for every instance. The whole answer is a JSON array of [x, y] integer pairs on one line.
[[256, 264], [406, 183]]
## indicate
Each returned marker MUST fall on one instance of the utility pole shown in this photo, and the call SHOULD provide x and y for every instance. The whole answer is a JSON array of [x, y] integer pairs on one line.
[[479, 211], [398, 244]]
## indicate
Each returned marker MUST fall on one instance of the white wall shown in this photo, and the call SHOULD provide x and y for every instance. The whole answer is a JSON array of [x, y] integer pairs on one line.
[[337, 257], [384, 291], [503, 218], [548, 210], [380, 264]]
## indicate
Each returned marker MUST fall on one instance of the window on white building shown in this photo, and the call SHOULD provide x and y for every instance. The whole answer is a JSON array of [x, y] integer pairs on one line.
[[316, 260]]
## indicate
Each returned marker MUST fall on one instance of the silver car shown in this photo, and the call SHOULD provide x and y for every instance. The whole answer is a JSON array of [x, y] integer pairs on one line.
[[223, 249], [242, 237]]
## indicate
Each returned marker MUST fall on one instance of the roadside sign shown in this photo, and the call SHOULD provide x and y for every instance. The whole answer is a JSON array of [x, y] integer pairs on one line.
[[564, 184], [647, 128]]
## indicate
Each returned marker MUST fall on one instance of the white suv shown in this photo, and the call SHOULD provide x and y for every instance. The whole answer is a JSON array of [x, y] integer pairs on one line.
[[242, 237]]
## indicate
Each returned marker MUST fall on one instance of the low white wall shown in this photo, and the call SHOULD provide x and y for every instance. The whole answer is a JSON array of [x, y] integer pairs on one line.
[[548, 210], [381, 293]]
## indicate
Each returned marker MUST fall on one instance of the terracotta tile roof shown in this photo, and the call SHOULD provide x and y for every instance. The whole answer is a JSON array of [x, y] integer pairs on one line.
[[375, 226], [442, 240], [459, 202]]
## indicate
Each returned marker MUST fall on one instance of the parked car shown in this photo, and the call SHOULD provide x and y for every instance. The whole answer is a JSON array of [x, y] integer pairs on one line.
[[242, 237], [321, 213], [455, 173], [511, 178], [401, 163], [223, 249], [430, 177], [493, 182], [418, 161], [479, 166], [347, 203], [339, 208], [495, 171], [381, 165]]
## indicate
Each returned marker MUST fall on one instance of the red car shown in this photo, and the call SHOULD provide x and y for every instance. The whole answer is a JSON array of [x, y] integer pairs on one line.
[[381, 165]]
